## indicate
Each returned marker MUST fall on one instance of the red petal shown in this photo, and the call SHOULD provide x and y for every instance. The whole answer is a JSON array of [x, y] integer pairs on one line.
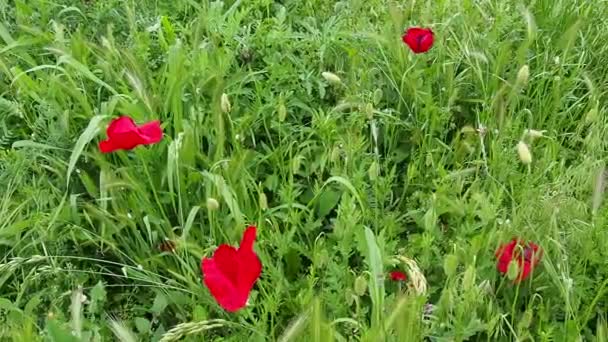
[[123, 124], [505, 255], [250, 266], [123, 134], [398, 276], [248, 238], [151, 132], [524, 272], [231, 274], [419, 40], [226, 258], [222, 288]]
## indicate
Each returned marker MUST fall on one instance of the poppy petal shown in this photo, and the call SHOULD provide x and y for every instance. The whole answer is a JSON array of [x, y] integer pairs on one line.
[[231, 273], [151, 132], [123, 134], [248, 238], [222, 289], [419, 40], [398, 276], [123, 124]]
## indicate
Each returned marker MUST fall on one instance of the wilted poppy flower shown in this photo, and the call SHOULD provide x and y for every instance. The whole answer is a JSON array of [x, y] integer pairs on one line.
[[398, 276], [231, 273], [526, 255], [418, 39], [123, 134]]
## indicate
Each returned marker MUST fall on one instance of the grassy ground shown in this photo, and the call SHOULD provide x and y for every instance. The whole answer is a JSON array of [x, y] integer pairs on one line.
[[410, 160]]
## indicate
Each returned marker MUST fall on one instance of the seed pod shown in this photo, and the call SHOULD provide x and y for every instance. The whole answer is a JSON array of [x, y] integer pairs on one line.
[[360, 286], [212, 204], [522, 76]]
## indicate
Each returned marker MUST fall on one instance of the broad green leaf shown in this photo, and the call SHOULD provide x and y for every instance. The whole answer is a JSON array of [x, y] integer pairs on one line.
[[143, 325]]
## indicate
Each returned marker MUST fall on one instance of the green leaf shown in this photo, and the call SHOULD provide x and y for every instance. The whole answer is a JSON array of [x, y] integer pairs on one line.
[[143, 325], [190, 222], [159, 305], [57, 333], [89, 133], [374, 263], [327, 201], [98, 298], [199, 314]]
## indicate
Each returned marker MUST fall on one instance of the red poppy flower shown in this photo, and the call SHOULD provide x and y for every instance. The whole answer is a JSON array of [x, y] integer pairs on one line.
[[419, 39], [526, 255], [398, 276], [231, 273], [123, 134]]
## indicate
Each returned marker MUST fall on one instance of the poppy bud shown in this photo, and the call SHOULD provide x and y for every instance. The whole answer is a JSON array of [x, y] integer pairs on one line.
[[369, 111], [282, 112], [331, 78], [263, 201], [377, 96], [360, 286], [533, 134], [522, 76], [373, 171], [468, 280], [225, 103], [524, 153], [212, 204], [512, 271], [450, 264]]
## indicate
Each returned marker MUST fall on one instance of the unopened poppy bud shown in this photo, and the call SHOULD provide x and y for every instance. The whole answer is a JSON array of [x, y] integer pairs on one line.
[[331, 77], [360, 286], [524, 153], [212, 204], [373, 171], [512, 271], [282, 112], [522, 76], [450, 265], [378, 96], [263, 201], [225, 103], [369, 111], [533, 133], [468, 280]]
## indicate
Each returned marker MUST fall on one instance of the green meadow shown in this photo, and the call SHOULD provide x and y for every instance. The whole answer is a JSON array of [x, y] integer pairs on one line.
[[354, 156]]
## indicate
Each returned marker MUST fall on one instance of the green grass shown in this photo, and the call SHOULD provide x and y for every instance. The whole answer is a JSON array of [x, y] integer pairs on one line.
[[411, 160]]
